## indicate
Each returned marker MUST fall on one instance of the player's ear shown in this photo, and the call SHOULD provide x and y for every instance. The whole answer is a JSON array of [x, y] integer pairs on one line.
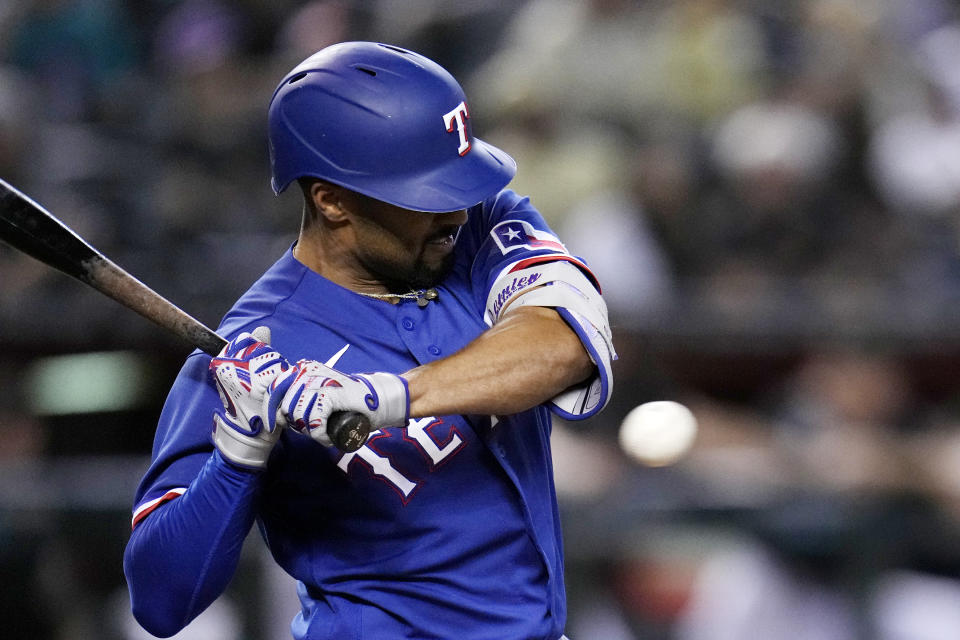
[[324, 199]]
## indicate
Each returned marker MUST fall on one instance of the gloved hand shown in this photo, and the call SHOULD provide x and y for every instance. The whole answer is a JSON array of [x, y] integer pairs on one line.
[[318, 391], [251, 379]]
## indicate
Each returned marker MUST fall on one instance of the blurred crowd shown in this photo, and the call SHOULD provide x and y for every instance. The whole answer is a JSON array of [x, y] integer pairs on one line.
[[769, 192]]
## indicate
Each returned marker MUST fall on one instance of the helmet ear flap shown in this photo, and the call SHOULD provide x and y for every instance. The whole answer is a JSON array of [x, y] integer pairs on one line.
[[383, 122]]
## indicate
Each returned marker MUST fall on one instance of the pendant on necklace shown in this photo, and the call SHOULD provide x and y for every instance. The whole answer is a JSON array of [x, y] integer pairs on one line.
[[426, 296]]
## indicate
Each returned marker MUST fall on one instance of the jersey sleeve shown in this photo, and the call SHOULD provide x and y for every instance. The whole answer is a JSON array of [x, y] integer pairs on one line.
[[192, 511], [182, 443], [511, 238]]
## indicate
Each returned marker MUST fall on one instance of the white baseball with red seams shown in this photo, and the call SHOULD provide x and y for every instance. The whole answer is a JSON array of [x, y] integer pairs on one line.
[[658, 433]]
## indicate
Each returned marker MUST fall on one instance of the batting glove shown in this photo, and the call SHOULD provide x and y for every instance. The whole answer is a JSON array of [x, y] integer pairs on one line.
[[251, 379], [318, 391]]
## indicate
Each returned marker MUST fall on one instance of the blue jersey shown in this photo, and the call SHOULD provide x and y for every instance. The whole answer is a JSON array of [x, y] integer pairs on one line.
[[447, 527]]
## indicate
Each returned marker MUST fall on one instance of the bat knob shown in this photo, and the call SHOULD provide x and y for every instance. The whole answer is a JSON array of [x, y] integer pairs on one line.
[[348, 430]]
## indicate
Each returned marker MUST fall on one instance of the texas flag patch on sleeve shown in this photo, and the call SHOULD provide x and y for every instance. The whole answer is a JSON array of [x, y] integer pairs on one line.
[[517, 234]]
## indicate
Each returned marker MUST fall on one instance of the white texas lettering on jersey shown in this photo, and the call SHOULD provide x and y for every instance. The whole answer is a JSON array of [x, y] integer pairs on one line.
[[380, 466], [459, 117], [416, 431]]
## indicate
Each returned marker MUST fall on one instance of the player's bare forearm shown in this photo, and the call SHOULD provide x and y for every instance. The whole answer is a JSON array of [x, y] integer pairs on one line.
[[528, 357]]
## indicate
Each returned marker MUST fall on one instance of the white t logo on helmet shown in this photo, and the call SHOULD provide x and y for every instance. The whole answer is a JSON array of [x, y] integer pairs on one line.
[[459, 116]]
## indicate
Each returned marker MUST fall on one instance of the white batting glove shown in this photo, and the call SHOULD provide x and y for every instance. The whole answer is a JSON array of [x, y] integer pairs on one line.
[[318, 391], [251, 379]]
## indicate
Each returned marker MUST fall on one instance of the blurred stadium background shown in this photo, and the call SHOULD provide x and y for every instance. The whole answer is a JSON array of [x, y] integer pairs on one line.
[[768, 189]]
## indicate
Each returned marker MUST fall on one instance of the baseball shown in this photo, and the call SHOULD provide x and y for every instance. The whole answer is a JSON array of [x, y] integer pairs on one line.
[[658, 433]]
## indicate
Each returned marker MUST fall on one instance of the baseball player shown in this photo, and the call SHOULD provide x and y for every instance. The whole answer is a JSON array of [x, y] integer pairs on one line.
[[424, 295]]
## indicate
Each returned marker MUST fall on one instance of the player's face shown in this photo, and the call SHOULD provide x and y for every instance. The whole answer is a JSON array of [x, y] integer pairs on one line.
[[403, 248]]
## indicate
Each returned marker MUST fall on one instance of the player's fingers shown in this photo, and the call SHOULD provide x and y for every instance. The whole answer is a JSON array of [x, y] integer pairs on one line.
[[273, 399], [262, 334], [298, 405], [236, 347], [305, 407]]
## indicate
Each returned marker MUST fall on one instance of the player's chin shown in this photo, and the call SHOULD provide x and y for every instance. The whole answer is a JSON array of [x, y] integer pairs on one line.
[[431, 269]]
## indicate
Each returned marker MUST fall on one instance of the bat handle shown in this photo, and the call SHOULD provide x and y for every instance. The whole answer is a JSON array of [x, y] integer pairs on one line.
[[348, 430]]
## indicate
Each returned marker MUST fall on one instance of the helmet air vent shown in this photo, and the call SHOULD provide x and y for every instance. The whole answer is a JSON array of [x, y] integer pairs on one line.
[[367, 71]]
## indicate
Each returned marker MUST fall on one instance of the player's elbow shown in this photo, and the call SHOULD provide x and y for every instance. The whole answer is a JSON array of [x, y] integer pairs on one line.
[[155, 611], [577, 363], [149, 616], [566, 356], [154, 603]]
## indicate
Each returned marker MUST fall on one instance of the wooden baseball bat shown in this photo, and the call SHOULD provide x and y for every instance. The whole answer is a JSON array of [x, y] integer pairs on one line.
[[28, 227]]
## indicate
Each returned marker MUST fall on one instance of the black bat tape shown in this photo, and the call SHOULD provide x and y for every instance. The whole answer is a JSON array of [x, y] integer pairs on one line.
[[28, 227]]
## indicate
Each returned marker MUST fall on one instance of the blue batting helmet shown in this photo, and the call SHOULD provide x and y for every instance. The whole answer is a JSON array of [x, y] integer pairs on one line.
[[385, 122]]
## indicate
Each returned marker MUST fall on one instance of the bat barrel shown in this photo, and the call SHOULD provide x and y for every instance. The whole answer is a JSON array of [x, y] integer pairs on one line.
[[28, 227]]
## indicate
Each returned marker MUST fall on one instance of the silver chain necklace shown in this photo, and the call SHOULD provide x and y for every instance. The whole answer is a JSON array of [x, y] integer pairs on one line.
[[423, 296]]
